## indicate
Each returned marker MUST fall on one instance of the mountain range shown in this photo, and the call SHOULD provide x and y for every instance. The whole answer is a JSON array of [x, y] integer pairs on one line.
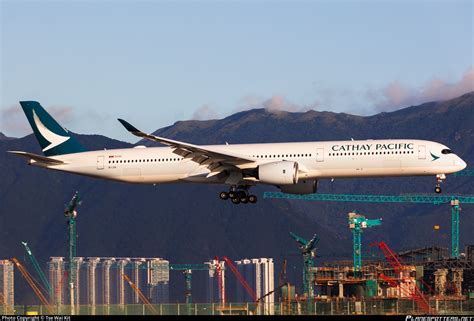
[[188, 223]]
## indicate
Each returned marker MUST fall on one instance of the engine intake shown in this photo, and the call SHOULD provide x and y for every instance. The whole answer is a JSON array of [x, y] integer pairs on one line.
[[278, 173]]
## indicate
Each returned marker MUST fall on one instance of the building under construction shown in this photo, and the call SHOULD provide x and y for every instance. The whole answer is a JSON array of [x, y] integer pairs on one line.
[[429, 269], [99, 280], [7, 291]]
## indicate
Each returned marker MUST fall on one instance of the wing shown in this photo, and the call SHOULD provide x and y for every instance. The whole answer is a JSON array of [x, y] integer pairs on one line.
[[215, 160], [38, 158]]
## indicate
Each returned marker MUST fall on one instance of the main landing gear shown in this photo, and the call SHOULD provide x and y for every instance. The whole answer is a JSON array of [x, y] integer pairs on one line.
[[238, 195], [439, 180]]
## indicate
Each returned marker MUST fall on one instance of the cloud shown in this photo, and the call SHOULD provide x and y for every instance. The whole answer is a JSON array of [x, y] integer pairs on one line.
[[397, 95], [275, 103], [205, 112]]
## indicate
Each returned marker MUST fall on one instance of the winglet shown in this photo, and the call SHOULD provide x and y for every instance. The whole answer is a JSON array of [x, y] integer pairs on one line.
[[128, 126]]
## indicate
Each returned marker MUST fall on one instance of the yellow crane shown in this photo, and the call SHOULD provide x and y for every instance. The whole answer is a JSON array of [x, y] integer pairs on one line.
[[140, 294]]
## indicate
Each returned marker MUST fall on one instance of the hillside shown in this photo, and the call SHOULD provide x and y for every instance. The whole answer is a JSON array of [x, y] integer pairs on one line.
[[189, 224]]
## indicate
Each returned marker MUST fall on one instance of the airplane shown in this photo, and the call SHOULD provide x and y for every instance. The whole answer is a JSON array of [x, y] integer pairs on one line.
[[292, 167]]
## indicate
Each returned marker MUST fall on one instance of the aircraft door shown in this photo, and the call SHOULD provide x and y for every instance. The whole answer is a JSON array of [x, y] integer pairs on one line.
[[100, 162], [320, 154], [421, 152]]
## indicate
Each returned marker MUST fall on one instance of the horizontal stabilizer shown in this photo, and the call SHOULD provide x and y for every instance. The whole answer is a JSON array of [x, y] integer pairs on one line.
[[38, 158]]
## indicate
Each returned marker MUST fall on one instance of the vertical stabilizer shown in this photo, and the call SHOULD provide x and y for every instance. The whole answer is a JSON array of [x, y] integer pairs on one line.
[[52, 137]]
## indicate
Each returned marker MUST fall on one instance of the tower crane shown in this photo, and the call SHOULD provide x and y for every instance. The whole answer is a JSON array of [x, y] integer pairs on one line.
[[307, 250], [188, 276], [37, 267], [357, 223], [70, 212], [454, 200]]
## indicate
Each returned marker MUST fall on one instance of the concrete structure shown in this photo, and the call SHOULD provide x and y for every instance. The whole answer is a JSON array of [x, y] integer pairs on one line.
[[99, 281], [260, 275], [7, 289], [57, 279]]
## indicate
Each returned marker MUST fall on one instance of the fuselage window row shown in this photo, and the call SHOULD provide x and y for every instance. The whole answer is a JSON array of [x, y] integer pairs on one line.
[[145, 160], [371, 153]]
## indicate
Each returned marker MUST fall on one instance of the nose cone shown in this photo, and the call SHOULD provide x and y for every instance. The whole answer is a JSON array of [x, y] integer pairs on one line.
[[460, 164]]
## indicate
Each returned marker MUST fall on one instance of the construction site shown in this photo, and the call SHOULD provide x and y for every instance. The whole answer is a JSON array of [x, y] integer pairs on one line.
[[430, 280]]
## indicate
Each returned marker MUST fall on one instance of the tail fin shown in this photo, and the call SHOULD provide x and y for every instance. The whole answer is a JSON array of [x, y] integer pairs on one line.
[[53, 139]]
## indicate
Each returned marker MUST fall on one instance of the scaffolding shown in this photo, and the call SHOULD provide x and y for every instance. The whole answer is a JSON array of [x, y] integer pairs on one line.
[[7, 290]]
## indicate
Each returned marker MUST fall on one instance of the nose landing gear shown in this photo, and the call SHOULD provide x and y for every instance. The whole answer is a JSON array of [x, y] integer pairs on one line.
[[238, 195], [439, 180]]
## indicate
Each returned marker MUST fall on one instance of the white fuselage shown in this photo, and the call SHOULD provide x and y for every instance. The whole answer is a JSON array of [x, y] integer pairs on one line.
[[331, 159]]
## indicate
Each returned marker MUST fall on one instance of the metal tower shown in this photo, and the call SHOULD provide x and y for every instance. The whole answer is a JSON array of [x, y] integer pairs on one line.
[[455, 228], [70, 213], [357, 223], [307, 249]]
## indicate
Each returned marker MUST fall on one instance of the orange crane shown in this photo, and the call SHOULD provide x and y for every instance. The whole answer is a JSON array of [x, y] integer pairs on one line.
[[140, 294], [33, 285]]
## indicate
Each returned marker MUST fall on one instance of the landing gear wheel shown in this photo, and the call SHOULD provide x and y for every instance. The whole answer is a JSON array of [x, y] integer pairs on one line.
[[235, 200], [224, 195], [253, 199], [232, 194], [438, 189], [244, 200], [241, 194]]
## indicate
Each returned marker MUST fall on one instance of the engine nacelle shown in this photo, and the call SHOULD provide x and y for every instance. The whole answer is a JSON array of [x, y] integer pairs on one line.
[[306, 186], [278, 173]]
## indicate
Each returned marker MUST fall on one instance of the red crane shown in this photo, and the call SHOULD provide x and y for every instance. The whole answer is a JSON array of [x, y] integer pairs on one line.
[[241, 279], [395, 262]]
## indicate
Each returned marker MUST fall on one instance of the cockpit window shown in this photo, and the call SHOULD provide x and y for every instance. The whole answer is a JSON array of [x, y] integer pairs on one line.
[[446, 151]]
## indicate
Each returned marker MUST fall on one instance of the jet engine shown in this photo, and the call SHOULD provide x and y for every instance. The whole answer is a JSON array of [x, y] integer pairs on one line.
[[278, 173], [305, 186]]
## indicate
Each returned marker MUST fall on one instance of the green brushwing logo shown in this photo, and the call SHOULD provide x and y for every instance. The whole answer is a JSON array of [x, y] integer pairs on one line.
[[434, 157]]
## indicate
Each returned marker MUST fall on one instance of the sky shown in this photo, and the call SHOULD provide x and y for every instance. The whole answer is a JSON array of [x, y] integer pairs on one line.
[[157, 62]]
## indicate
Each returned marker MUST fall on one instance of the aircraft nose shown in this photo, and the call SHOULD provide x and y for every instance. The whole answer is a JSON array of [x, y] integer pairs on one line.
[[460, 164]]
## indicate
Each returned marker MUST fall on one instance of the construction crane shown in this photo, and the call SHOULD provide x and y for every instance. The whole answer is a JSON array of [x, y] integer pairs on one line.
[[307, 250], [34, 285], [140, 294], [455, 208], [70, 212], [454, 200], [397, 265], [357, 223], [188, 276], [38, 269], [241, 279]]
